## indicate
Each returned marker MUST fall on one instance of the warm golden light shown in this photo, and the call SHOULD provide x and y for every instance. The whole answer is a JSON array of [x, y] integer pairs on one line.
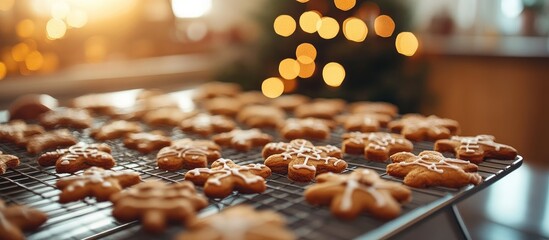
[[308, 21], [34, 61], [302, 1], [288, 68], [355, 29], [191, 8], [306, 70], [305, 53], [384, 26], [51, 62], [289, 85], [20, 51], [95, 49], [56, 28], [284, 25], [345, 5], [272, 87], [327, 28], [406, 43], [3, 70], [77, 19], [60, 10], [6, 5], [25, 28], [333, 74]]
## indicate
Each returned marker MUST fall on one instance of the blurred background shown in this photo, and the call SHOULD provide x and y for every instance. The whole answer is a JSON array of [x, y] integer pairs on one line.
[[483, 63]]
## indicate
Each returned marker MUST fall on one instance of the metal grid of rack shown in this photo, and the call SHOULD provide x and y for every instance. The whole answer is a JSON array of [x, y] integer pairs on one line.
[[33, 185]]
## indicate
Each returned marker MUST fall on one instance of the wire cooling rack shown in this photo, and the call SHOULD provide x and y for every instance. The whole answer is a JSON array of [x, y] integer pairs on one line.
[[34, 186]]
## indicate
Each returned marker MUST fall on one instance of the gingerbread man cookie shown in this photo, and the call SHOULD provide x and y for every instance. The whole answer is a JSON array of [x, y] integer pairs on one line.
[[374, 107], [167, 116], [16, 219], [243, 140], [301, 160], [78, 157], [146, 142], [225, 106], [476, 149], [155, 203], [289, 102], [57, 138], [417, 127], [95, 182], [69, 117], [115, 129], [252, 98], [187, 154], [205, 124], [362, 190], [7, 161], [260, 116], [321, 108], [239, 222], [18, 131], [376, 146], [308, 128], [224, 176], [101, 104], [431, 168], [364, 122], [216, 89]]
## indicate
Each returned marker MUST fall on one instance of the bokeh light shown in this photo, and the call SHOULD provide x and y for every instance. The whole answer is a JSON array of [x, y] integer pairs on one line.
[[284, 25], [95, 49], [24, 28], [302, 1], [406, 43], [19, 52], [308, 21], [384, 26], [288, 68], [355, 29], [306, 70], [34, 61], [60, 10], [6, 5], [333, 74], [77, 19], [56, 28], [345, 5], [51, 62], [289, 85], [305, 53], [191, 8], [272, 87], [3, 70], [327, 28]]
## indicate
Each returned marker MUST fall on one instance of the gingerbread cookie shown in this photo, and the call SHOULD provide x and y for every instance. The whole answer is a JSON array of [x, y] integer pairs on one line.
[[260, 116], [362, 190], [417, 127], [115, 129], [205, 124], [31, 106], [155, 203], [289, 102], [57, 138], [252, 98], [101, 104], [223, 106], [243, 140], [18, 132], [69, 117], [321, 108], [146, 142], [308, 128], [376, 146], [95, 182], [216, 89], [167, 116], [476, 149], [78, 157], [7, 161], [364, 122], [301, 160], [16, 219], [224, 176], [187, 154], [374, 107], [431, 168], [239, 222]]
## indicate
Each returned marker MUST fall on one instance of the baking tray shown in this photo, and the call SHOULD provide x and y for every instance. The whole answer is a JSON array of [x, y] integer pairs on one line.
[[34, 186]]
